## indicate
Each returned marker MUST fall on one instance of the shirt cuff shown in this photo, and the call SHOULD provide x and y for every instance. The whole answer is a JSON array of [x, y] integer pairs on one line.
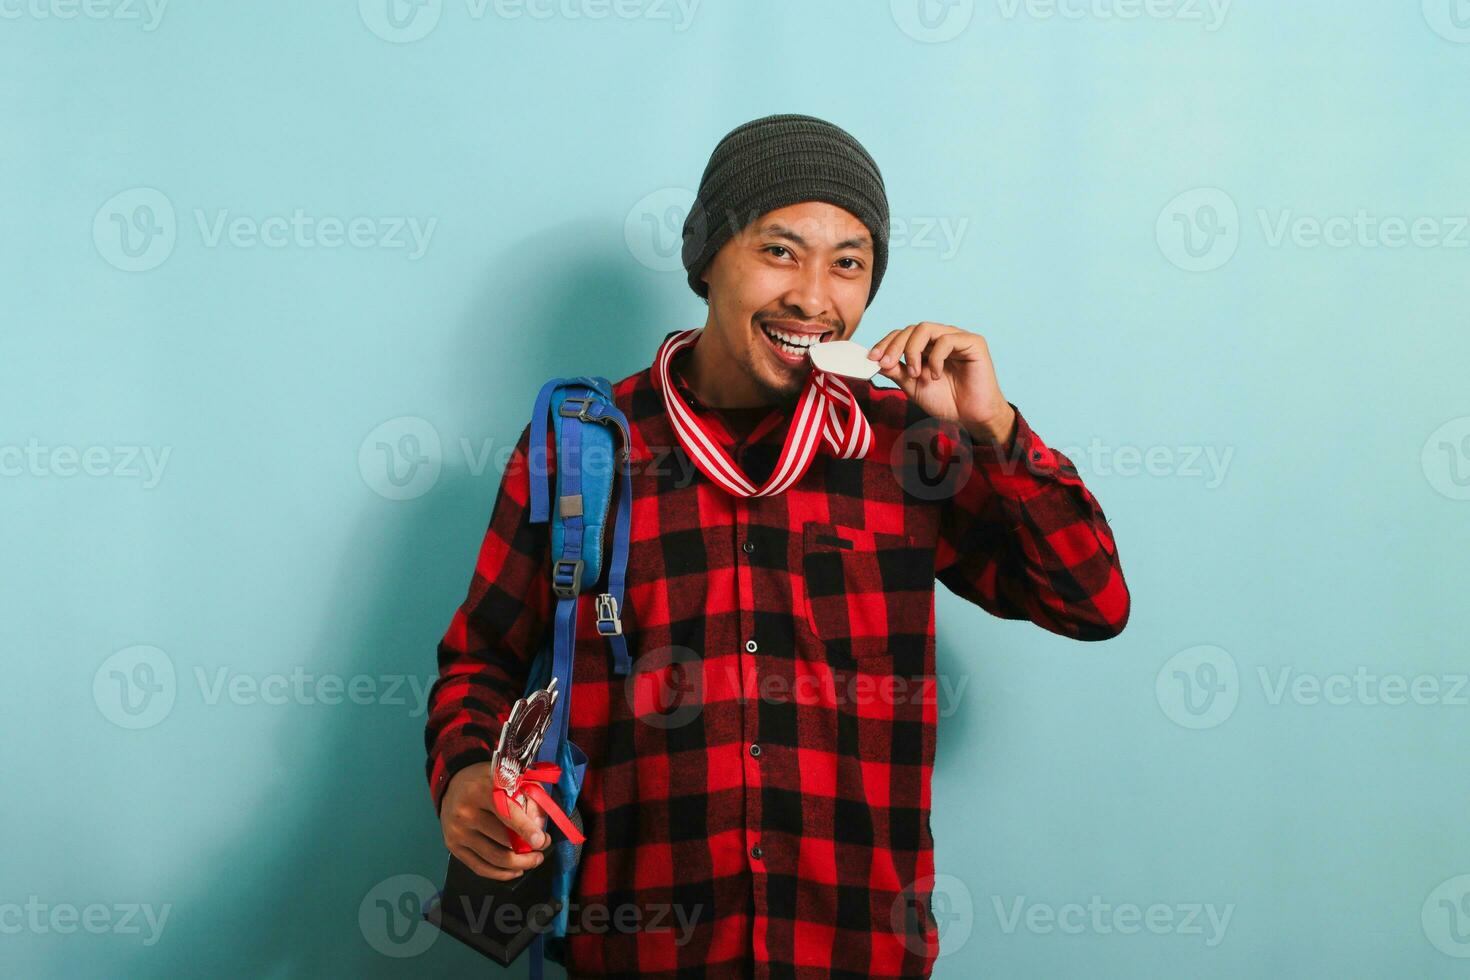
[[1021, 471], [449, 758]]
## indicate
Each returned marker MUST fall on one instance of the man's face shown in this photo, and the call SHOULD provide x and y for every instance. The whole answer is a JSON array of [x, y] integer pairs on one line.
[[804, 271]]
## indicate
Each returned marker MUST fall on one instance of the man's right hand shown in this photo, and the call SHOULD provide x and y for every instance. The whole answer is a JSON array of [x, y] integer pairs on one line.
[[474, 832]]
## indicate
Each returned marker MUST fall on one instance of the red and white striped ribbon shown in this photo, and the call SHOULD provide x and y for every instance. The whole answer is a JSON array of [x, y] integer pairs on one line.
[[817, 415]]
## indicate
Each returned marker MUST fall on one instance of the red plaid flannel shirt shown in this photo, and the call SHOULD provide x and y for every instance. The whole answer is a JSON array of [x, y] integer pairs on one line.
[[756, 801]]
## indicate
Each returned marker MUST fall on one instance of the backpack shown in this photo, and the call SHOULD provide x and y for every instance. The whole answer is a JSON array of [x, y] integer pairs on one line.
[[583, 416]]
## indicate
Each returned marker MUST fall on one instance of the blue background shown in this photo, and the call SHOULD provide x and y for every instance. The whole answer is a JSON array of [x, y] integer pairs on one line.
[[1113, 188]]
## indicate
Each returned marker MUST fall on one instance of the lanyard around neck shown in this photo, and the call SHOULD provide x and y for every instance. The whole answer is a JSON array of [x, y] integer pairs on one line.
[[817, 417]]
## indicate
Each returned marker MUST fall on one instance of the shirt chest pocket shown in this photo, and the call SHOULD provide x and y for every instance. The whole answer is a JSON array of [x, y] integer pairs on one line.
[[869, 597]]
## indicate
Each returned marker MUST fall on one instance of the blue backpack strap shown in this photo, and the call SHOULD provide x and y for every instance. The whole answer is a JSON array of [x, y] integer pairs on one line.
[[610, 603], [583, 415], [540, 482], [571, 403], [568, 560]]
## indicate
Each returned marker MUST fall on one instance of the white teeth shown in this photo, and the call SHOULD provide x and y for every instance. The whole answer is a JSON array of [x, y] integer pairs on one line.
[[801, 343]]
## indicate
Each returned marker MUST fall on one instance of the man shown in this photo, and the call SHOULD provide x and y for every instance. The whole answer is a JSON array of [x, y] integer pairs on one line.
[[770, 817]]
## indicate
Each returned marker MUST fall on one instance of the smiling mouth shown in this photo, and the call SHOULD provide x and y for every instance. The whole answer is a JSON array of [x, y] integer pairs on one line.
[[792, 345]]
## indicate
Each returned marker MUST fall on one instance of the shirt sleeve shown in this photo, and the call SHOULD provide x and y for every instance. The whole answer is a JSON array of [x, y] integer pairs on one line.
[[485, 655], [1023, 538]]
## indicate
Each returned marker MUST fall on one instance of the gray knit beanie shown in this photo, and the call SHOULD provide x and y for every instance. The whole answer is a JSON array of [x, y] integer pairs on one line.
[[776, 161]]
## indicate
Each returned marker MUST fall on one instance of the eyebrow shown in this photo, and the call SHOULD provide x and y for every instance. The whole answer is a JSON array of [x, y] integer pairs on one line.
[[781, 231]]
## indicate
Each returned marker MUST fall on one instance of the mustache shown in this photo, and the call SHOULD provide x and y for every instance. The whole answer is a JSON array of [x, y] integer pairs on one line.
[[825, 324]]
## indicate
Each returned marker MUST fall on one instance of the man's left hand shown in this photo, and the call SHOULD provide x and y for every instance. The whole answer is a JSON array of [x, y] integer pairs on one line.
[[948, 373]]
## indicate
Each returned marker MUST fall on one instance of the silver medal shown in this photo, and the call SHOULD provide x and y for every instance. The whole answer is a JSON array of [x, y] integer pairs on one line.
[[846, 358]]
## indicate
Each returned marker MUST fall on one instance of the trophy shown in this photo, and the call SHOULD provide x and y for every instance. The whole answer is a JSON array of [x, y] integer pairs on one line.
[[500, 918]]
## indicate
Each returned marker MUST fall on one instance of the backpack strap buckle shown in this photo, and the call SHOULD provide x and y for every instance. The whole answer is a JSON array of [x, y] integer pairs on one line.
[[607, 616], [575, 406], [566, 577]]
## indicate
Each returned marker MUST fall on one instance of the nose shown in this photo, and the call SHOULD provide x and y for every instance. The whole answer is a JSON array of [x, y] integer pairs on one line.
[[808, 296]]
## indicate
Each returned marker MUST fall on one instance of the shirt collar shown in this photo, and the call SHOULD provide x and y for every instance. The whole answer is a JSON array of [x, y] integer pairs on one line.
[[681, 387]]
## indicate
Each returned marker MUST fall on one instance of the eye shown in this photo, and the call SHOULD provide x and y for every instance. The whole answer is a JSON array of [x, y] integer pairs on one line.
[[769, 247], [856, 263]]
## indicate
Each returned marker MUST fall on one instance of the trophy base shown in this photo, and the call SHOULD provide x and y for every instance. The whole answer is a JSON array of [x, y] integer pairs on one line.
[[495, 918]]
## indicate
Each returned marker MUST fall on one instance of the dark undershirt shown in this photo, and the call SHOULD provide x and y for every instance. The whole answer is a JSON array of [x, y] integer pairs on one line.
[[742, 421], [759, 460]]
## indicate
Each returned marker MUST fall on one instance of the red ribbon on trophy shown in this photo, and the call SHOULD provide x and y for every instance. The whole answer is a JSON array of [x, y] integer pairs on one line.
[[529, 784]]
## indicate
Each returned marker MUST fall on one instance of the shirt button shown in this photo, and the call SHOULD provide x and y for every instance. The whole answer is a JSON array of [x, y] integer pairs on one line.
[[748, 547], [755, 749], [750, 646], [756, 852], [1036, 454]]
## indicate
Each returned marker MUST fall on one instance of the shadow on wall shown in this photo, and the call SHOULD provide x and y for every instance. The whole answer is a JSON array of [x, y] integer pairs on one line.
[[598, 312], [350, 811], [961, 725]]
